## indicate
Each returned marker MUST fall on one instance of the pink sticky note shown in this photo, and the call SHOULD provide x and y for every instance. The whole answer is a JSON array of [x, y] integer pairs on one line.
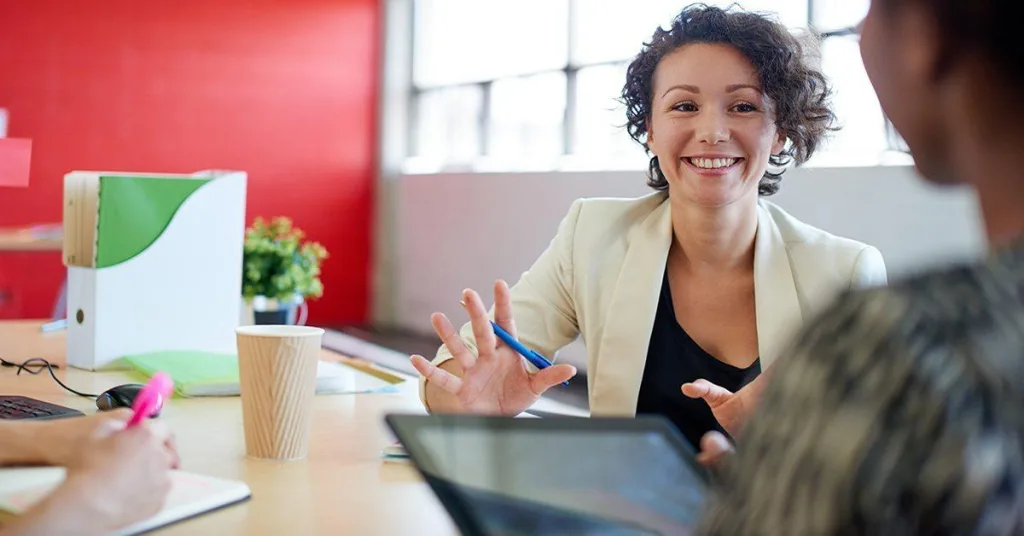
[[15, 156]]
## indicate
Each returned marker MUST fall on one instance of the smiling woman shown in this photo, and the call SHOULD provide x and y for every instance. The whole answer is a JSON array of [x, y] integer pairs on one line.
[[722, 128], [702, 280], [741, 56]]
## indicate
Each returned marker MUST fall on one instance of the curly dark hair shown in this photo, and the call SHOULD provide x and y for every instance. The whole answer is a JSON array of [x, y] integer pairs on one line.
[[799, 93]]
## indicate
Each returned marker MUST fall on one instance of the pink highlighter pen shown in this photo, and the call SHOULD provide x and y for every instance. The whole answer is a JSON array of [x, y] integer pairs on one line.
[[150, 398]]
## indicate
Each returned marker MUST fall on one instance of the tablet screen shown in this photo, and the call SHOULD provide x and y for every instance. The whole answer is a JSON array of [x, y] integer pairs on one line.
[[632, 471]]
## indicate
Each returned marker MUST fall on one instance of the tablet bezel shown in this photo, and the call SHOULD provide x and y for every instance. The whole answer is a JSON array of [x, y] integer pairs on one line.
[[406, 428]]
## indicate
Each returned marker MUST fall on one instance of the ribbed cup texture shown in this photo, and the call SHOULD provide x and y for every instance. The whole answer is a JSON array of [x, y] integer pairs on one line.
[[278, 382]]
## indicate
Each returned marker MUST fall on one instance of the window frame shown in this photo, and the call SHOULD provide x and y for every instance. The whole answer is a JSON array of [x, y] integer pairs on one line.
[[893, 141]]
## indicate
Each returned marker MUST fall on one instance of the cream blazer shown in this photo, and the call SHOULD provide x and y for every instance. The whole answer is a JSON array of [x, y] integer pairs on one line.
[[600, 279]]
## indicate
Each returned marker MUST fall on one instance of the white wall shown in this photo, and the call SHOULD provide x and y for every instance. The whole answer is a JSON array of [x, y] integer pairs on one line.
[[453, 231]]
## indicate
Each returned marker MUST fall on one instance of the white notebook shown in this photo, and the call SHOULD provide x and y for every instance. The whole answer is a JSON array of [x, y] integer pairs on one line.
[[191, 495]]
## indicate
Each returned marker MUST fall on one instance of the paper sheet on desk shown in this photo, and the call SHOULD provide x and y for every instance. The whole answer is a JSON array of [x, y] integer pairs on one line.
[[212, 374], [191, 494], [396, 453]]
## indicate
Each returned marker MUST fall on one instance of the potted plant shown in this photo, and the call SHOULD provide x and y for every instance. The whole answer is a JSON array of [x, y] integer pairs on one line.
[[280, 272]]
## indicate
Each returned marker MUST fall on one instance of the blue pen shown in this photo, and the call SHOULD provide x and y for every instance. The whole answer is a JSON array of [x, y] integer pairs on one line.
[[538, 360]]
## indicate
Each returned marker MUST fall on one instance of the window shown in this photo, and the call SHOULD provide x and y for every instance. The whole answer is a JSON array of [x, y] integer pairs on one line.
[[614, 30], [459, 41], [854, 101], [835, 14], [450, 123], [599, 125], [526, 117], [536, 83]]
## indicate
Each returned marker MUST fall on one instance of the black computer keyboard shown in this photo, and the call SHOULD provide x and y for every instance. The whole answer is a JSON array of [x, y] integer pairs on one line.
[[21, 408]]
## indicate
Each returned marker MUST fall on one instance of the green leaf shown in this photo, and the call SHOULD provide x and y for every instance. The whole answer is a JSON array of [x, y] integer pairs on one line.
[[278, 262]]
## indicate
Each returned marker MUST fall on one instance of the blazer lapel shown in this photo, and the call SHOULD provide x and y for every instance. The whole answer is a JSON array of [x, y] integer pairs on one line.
[[615, 383], [775, 299]]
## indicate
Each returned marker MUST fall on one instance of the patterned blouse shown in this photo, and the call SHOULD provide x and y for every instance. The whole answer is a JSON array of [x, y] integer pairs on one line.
[[899, 411]]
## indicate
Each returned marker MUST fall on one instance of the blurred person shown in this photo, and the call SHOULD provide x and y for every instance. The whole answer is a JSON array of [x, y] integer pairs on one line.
[[901, 410]]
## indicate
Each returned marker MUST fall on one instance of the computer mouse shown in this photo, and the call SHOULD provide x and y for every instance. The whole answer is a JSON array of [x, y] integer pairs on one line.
[[120, 396]]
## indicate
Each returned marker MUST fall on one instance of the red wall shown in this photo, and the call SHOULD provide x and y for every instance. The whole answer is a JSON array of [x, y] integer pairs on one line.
[[285, 90]]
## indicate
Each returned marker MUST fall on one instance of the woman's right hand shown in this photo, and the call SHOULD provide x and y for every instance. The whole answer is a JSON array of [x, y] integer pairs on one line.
[[496, 379], [119, 476]]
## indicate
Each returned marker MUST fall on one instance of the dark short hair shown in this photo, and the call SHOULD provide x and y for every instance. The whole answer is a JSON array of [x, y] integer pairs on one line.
[[799, 93], [984, 25]]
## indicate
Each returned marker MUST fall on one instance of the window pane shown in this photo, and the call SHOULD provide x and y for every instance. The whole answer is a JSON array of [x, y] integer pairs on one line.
[[527, 116], [863, 135], [599, 125], [613, 30], [792, 13], [448, 123], [460, 41], [837, 14]]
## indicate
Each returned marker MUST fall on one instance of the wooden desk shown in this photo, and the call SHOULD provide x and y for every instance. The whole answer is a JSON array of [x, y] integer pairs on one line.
[[341, 488], [26, 239]]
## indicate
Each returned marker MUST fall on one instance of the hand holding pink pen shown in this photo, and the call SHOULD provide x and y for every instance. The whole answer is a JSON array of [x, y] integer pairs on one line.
[[150, 398], [129, 460]]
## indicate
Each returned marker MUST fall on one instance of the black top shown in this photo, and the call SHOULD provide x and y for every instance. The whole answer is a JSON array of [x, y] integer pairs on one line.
[[673, 358]]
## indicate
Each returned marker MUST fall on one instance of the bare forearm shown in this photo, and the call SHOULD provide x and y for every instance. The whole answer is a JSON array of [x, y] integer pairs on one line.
[[40, 522], [65, 511], [440, 401], [21, 443]]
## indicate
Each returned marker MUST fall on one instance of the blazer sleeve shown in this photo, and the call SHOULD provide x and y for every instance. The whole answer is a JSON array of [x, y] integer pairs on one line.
[[542, 299], [868, 269]]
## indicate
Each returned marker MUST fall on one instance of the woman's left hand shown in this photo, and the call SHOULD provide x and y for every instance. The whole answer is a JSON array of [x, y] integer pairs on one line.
[[730, 409]]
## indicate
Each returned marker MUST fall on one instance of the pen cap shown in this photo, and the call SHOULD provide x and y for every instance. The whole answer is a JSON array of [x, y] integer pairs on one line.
[[150, 398]]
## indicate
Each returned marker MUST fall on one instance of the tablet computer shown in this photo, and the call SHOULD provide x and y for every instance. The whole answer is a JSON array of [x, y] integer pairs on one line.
[[598, 476]]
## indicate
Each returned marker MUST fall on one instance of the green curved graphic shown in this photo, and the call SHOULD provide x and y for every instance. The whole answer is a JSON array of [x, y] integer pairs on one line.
[[134, 211]]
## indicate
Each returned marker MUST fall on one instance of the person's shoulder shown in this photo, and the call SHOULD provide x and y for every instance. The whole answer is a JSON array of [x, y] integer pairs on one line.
[[956, 298], [970, 291], [617, 212], [623, 205], [806, 239]]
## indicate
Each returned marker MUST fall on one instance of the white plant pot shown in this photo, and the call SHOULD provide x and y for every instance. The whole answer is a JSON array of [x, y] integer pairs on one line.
[[264, 310]]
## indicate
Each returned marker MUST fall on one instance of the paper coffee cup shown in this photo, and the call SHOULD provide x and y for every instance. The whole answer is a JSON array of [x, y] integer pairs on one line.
[[277, 368]]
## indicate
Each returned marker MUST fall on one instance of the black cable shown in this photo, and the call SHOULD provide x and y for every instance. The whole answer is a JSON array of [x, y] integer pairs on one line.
[[36, 365]]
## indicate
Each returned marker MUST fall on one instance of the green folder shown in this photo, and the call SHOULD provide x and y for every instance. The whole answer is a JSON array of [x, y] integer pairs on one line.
[[194, 373], [214, 374], [134, 211]]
